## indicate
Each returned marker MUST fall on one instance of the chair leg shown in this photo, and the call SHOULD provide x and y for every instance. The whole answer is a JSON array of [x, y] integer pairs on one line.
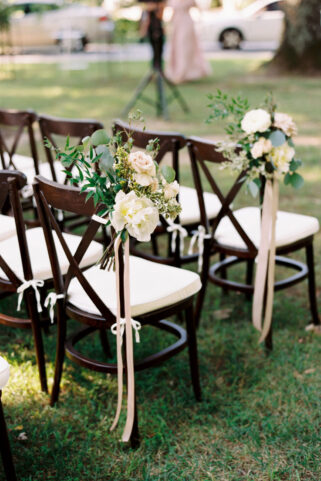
[[249, 277], [269, 342], [105, 343], [192, 351], [60, 356], [37, 335], [223, 272], [312, 286], [134, 438], [5, 448], [155, 245]]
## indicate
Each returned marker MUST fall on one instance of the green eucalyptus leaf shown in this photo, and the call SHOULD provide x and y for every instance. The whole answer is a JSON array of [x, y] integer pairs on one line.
[[168, 173], [106, 160], [287, 179], [295, 164], [253, 188], [297, 180], [277, 138], [100, 137], [86, 142]]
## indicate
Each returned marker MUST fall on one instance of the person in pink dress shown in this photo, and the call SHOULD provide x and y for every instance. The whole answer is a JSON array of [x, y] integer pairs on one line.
[[186, 60]]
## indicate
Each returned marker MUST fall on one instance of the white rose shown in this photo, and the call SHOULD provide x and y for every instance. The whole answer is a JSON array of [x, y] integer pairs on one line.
[[137, 214], [261, 147], [142, 163], [257, 120], [281, 157], [144, 179], [171, 190], [285, 123]]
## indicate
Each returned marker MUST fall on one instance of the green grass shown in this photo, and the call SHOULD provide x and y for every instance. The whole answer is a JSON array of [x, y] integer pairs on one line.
[[260, 417]]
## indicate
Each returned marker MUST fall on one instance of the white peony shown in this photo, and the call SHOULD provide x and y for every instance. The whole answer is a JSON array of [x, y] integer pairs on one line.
[[142, 163], [137, 214], [281, 157], [257, 120], [171, 190], [285, 123], [144, 179], [261, 147]]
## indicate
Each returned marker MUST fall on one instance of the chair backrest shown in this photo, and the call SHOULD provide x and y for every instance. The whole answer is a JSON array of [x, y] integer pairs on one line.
[[16, 124], [169, 142], [50, 196], [11, 182], [53, 127], [203, 153]]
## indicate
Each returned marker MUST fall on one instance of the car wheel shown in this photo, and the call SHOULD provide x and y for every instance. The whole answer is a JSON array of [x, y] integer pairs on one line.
[[231, 39]]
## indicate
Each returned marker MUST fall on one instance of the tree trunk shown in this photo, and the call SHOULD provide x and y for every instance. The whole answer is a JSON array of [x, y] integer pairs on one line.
[[300, 48]]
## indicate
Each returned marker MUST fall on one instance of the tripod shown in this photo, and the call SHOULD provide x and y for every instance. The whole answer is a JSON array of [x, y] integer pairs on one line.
[[156, 39]]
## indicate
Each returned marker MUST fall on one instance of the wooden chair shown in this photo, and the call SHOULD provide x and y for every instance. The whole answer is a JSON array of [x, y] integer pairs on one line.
[[55, 129], [25, 266], [236, 233], [6, 455], [157, 291]]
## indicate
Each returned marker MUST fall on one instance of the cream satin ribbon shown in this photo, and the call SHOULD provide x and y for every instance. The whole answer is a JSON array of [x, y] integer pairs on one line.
[[264, 279], [199, 236], [34, 283], [129, 345]]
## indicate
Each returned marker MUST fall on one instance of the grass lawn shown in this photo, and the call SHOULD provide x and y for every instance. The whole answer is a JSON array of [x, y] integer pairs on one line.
[[260, 417]]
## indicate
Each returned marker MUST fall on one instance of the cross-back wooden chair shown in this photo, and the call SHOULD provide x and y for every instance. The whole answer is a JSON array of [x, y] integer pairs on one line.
[[236, 233], [5, 449], [171, 143], [55, 129], [157, 291], [25, 267]]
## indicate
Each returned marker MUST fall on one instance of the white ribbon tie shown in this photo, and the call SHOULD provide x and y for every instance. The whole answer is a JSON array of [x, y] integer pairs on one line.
[[136, 325], [34, 283], [199, 236], [177, 229], [51, 300]]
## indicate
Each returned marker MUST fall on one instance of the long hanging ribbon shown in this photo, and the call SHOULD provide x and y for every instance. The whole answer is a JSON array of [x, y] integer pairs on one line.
[[129, 345], [34, 283], [264, 279]]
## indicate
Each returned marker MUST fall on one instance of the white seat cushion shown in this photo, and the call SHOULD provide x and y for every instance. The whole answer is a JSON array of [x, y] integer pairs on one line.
[[152, 286], [190, 209], [9, 250], [4, 372], [21, 162], [7, 227], [290, 228], [44, 170]]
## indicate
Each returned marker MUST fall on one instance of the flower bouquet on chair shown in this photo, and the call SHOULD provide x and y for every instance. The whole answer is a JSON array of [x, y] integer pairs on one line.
[[133, 192], [260, 145]]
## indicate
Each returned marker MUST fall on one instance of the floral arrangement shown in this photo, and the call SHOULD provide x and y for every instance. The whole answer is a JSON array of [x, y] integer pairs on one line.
[[260, 140], [130, 185]]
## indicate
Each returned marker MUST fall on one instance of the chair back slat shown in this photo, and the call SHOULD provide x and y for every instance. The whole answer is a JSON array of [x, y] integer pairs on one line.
[[55, 126], [49, 195], [203, 152], [18, 122]]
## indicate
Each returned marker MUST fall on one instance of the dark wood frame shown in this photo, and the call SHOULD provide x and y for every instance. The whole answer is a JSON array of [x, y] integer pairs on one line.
[[5, 449], [202, 151], [52, 195], [11, 182]]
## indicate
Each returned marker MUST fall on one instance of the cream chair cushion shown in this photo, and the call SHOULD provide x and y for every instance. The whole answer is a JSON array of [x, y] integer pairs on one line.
[[290, 228], [21, 162], [44, 170], [152, 286], [190, 209], [9, 250], [7, 227], [4, 372]]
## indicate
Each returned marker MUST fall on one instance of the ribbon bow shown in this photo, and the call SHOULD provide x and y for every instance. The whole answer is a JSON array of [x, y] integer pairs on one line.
[[51, 300], [136, 325], [177, 229], [34, 283], [199, 236]]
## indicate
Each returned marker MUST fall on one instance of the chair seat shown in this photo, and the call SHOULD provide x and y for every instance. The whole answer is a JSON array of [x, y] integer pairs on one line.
[[152, 286], [7, 227], [9, 250], [290, 228], [190, 214], [44, 170], [4, 372], [21, 162]]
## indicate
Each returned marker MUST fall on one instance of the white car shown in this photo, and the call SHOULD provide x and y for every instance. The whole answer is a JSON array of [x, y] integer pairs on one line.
[[261, 21], [44, 22]]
